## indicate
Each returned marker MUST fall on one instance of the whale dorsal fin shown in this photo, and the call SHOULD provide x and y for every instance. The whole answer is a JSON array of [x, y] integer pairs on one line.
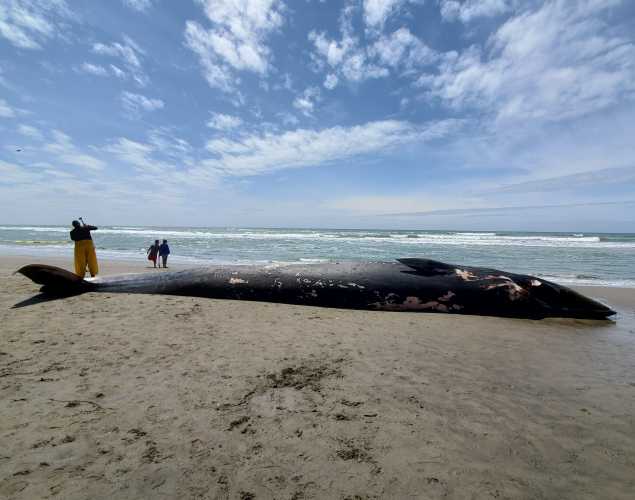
[[427, 267]]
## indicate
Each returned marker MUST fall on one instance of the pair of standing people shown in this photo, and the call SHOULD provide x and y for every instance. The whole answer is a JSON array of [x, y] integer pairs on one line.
[[159, 251]]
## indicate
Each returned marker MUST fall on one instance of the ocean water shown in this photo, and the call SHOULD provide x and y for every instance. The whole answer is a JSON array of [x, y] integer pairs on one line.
[[573, 258]]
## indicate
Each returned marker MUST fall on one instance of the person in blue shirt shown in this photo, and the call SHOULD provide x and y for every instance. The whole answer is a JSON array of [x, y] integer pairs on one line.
[[164, 251]]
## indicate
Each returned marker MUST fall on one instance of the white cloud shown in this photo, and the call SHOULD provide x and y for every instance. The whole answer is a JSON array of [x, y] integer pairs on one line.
[[28, 23], [138, 5], [288, 119], [557, 62], [571, 182], [350, 59], [130, 54], [67, 152], [135, 153], [220, 121], [6, 111], [11, 174], [236, 40], [262, 153], [164, 160], [467, 10], [331, 81], [29, 131], [403, 48], [135, 103], [377, 11], [118, 72], [305, 103], [93, 69], [345, 57], [165, 141]]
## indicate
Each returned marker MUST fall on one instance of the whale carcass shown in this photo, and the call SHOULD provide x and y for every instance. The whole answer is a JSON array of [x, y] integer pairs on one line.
[[419, 285]]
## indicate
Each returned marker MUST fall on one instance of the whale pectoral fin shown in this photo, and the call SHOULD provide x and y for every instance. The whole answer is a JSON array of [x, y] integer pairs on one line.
[[54, 279], [427, 267]]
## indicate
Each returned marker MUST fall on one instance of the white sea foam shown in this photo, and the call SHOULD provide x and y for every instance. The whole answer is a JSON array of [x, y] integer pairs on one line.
[[421, 239]]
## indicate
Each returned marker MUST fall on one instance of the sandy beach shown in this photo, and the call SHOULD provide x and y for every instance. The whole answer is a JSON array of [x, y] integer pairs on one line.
[[131, 396]]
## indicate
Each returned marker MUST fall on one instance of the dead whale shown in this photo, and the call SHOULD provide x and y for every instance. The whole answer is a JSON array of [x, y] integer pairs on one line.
[[417, 285]]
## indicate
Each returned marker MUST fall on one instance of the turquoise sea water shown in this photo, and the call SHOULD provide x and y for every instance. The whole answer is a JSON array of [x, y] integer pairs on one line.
[[575, 258]]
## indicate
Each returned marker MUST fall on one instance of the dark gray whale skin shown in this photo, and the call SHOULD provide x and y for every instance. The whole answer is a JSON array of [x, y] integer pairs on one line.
[[417, 285]]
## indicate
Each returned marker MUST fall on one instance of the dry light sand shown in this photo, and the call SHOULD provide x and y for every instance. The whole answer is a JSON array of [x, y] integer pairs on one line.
[[139, 396]]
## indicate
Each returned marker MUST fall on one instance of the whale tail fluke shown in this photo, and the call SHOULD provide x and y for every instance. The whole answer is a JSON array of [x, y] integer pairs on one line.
[[55, 280]]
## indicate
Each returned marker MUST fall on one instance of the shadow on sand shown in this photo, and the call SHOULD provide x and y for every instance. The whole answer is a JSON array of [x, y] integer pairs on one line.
[[38, 299]]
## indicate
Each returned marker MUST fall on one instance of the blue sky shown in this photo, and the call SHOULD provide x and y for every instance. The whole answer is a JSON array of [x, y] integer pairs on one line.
[[490, 114]]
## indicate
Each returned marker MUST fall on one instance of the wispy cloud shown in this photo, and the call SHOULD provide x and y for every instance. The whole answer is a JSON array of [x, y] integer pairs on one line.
[[468, 10], [402, 48], [377, 11], [305, 102], [571, 182], [27, 24], [557, 62], [353, 60], [6, 111], [237, 40], [93, 69], [138, 5], [220, 121], [263, 153], [503, 210], [130, 55], [11, 175], [30, 131], [67, 153], [346, 56], [135, 153], [136, 103]]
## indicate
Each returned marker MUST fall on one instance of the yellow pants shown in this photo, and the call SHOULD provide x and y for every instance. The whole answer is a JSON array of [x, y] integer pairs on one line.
[[85, 255]]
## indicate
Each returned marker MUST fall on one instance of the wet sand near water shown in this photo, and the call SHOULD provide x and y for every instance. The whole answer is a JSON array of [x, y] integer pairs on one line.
[[144, 396]]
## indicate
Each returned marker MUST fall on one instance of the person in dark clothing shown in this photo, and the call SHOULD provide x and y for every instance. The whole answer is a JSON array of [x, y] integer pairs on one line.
[[164, 251], [153, 253], [84, 249]]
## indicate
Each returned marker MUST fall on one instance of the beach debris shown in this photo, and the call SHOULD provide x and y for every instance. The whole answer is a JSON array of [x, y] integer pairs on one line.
[[354, 450], [151, 454], [301, 376], [238, 422], [342, 417], [72, 403], [346, 402]]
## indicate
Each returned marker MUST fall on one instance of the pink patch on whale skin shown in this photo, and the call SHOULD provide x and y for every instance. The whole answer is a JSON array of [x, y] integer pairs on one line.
[[415, 304], [514, 290], [465, 275]]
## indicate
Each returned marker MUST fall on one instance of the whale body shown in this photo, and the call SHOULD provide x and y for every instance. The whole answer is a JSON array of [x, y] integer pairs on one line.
[[416, 285]]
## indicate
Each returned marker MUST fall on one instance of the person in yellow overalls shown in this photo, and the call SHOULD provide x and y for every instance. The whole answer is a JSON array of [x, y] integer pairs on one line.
[[84, 249]]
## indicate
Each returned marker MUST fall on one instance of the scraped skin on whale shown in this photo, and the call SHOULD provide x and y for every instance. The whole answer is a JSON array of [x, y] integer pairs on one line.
[[416, 285]]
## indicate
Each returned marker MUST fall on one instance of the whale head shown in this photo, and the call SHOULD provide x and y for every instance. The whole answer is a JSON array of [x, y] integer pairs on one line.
[[554, 300]]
